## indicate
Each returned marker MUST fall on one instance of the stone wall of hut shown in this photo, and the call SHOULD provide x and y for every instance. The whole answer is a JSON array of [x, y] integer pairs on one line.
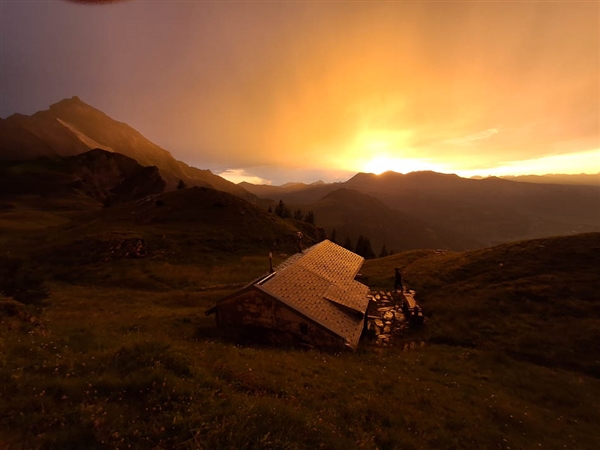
[[254, 316]]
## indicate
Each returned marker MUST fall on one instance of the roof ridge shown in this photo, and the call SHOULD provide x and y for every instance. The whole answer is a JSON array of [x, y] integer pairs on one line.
[[295, 257]]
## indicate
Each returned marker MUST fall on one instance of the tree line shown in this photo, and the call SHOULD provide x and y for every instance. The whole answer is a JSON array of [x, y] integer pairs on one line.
[[284, 212], [362, 247], [363, 244]]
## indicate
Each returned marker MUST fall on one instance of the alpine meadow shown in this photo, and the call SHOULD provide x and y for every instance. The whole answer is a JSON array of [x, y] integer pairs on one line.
[[299, 225]]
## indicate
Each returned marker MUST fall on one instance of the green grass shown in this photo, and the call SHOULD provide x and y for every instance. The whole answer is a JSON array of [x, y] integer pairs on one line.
[[164, 275], [124, 357], [534, 300], [119, 368]]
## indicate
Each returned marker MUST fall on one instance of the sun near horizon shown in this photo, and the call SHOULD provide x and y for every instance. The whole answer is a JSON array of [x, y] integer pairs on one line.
[[582, 163], [382, 164]]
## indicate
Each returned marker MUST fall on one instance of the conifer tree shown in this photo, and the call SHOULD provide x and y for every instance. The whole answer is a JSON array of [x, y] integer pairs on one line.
[[363, 248], [279, 208], [383, 252], [310, 218], [282, 211], [360, 245], [369, 253]]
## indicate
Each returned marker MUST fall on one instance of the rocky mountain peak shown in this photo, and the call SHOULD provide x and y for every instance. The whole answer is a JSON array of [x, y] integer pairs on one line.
[[71, 127], [69, 103]]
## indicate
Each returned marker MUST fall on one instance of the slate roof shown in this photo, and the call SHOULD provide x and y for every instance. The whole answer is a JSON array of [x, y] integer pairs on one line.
[[319, 283]]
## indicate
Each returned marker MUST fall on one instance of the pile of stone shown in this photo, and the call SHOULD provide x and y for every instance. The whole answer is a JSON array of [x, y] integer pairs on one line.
[[385, 318], [125, 248]]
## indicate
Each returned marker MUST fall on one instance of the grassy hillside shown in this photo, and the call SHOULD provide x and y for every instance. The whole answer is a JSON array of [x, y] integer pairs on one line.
[[124, 357], [148, 243], [113, 368], [534, 300]]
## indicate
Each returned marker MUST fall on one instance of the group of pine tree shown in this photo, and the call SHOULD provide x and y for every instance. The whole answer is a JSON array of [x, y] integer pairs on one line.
[[285, 213], [363, 245], [362, 248]]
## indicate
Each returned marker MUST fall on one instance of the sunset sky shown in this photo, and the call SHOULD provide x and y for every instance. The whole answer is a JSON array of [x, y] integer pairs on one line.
[[301, 91]]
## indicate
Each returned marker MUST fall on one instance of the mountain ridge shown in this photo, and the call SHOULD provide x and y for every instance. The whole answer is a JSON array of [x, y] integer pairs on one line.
[[71, 126], [557, 178], [352, 213], [491, 210]]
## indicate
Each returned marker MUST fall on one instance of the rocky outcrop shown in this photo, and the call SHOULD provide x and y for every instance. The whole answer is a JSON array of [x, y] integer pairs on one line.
[[105, 176], [112, 177]]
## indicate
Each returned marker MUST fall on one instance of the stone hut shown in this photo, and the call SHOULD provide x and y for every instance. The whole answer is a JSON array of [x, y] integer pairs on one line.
[[312, 299]]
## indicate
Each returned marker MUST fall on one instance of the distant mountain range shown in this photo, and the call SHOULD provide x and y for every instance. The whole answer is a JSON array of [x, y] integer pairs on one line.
[[85, 151], [475, 212], [581, 178], [352, 213]]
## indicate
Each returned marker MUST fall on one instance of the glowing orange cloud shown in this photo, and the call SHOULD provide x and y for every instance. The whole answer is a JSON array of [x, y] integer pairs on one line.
[[322, 86]]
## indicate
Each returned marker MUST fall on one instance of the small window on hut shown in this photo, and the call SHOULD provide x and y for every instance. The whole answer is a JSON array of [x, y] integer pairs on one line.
[[303, 328]]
